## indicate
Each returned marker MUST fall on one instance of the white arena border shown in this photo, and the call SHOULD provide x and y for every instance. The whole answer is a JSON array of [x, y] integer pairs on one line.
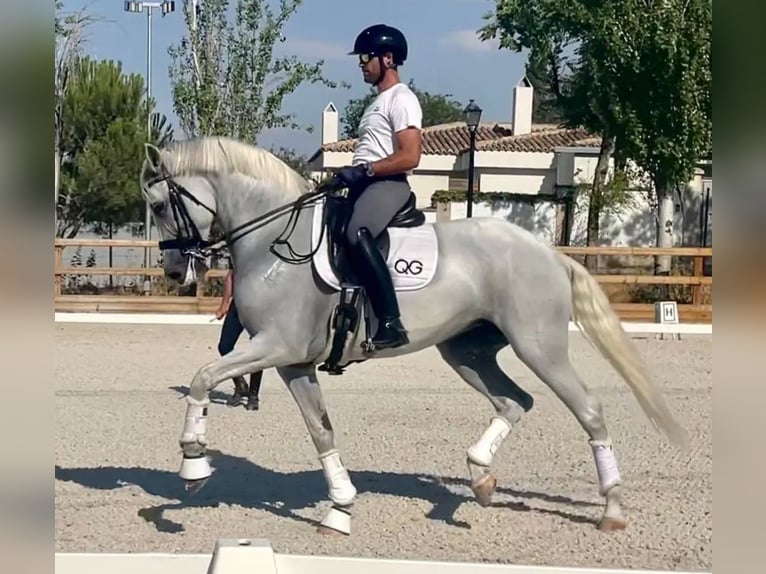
[[251, 556], [201, 319]]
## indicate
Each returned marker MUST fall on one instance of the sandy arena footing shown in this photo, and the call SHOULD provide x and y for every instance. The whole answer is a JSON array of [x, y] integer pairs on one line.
[[402, 426]]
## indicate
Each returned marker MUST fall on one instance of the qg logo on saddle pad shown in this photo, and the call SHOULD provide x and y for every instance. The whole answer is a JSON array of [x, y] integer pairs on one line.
[[411, 267]]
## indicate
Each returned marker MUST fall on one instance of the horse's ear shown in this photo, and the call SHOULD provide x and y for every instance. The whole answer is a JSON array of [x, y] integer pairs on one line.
[[152, 155]]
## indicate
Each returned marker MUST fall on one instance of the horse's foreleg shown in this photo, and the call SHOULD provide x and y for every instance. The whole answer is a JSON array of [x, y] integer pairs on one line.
[[302, 382], [260, 354]]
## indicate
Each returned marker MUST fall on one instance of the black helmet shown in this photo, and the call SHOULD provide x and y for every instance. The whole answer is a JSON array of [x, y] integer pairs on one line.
[[379, 39]]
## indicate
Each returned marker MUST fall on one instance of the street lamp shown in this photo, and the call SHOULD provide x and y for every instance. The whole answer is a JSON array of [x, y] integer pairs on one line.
[[472, 114], [136, 8]]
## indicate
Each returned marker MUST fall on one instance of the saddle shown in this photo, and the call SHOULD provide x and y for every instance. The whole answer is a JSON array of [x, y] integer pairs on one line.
[[335, 219], [337, 214]]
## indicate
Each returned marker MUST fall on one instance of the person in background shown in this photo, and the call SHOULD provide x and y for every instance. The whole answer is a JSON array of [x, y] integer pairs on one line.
[[230, 332]]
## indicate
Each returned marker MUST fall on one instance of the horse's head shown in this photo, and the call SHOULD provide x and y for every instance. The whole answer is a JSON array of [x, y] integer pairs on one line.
[[183, 209]]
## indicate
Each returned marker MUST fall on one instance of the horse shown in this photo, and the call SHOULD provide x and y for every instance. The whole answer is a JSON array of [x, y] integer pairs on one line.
[[470, 287]]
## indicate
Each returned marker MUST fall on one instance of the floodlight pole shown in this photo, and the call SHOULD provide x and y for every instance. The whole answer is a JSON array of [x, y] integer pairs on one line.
[[136, 8]]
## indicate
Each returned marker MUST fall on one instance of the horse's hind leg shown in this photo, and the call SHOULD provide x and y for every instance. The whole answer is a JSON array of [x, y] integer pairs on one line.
[[546, 352], [473, 355]]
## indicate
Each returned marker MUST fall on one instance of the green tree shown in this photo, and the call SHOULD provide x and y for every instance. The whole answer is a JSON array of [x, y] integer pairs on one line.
[[635, 73], [295, 160], [70, 30], [225, 77], [561, 60], [545, 106], [437, 109], [102, 147], [666, 126]]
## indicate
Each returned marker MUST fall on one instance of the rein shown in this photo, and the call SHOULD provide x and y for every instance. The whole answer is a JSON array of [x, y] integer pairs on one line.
[[193, 245]]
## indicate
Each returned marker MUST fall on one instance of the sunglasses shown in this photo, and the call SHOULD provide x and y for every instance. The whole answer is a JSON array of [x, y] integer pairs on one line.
[[365, 58]]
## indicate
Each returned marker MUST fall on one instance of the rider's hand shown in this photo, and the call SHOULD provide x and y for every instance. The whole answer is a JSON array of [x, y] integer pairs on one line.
[[352, 175]]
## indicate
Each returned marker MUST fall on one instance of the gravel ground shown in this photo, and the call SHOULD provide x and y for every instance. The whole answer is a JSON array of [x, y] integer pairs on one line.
[[402, 426]]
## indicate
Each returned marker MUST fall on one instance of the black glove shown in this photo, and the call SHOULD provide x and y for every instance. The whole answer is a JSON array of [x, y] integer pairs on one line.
[[352, 175]]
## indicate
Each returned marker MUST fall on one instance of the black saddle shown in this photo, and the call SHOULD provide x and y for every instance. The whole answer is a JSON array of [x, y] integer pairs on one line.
[[337, 213]]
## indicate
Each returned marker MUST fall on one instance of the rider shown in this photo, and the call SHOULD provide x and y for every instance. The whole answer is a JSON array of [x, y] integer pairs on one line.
[[388, 147]]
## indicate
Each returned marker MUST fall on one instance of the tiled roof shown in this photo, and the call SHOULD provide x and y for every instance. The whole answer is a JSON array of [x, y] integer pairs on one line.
[[542, 141], [454, 138]]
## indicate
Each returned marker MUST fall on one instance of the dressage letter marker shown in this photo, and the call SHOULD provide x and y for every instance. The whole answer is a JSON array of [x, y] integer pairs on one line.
[[666, 313]]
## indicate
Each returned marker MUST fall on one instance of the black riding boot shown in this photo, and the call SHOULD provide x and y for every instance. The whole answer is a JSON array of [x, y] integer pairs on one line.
[[377, 282]]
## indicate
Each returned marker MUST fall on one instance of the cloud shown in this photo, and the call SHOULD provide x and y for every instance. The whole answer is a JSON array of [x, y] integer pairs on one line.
[[314, 49], [469, 40]]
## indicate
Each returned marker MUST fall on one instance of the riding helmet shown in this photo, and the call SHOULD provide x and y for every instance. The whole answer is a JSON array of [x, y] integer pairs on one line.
[[378, 39]]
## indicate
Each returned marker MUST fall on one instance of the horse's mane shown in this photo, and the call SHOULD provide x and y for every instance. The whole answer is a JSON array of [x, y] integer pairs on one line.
[[221, 154]]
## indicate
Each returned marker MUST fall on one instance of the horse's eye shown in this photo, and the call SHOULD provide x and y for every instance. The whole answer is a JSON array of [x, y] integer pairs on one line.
[[159, 208]]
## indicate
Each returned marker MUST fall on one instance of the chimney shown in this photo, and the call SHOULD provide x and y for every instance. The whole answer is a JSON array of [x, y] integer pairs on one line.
[[522, 107], [330, 124]]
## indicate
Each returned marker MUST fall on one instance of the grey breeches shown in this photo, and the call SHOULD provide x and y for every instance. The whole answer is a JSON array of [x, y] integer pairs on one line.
[[376, 207]]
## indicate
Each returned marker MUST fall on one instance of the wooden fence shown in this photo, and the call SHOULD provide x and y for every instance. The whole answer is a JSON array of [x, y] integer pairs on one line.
[[692, 290]]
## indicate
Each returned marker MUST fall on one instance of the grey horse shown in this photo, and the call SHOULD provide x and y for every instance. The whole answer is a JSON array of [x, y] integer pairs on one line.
[[494, 285]]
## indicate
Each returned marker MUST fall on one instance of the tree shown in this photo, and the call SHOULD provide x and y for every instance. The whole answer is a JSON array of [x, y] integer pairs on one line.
[[545, 105], [562, 58], [224, 75], [295, 160], [102, 147], [70, 34], [437, 109], [667, 126], [639, 75]]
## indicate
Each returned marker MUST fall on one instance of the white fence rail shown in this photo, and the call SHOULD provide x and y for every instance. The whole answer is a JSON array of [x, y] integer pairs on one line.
[[202, 319], [256, 556]]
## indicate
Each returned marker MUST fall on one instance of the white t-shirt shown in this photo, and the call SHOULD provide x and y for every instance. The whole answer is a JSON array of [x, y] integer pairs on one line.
[[391, 111]]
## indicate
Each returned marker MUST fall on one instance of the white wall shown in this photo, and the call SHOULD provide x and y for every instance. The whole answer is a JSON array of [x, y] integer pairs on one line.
[[538, 218], [424, 186], [635, 224], [632, 226], [533, 182]]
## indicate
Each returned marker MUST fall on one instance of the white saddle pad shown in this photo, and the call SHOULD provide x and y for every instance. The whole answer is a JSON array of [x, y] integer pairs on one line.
[[412, 258]]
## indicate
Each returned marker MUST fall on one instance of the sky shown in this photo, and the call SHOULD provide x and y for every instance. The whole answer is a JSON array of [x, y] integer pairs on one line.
[[445, 54]]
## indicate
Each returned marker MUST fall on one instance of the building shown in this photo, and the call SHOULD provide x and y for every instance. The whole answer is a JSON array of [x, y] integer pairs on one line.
[[524, 172]]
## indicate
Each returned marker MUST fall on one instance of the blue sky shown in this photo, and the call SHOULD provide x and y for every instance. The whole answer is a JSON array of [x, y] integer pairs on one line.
[[445, 54]]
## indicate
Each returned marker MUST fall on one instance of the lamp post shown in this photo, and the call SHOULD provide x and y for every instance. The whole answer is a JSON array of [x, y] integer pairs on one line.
[[166, 8], [472, 114]]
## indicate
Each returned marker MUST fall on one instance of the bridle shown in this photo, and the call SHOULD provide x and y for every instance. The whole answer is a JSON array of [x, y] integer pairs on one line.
[[189, 240]]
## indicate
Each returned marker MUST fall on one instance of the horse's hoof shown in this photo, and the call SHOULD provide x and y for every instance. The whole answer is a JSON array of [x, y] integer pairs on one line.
[[252, 405], [327, 531], [483, 489], [612, 524], [337, 521]]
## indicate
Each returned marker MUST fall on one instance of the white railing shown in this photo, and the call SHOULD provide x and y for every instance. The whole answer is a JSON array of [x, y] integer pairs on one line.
[[256, 556], [202, 319]]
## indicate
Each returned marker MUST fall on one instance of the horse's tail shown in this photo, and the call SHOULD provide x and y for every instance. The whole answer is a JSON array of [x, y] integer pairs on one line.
[[598, 321]]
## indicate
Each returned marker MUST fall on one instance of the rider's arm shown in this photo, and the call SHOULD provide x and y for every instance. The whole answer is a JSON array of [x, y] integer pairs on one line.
[[407, 119], [228, 287]]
